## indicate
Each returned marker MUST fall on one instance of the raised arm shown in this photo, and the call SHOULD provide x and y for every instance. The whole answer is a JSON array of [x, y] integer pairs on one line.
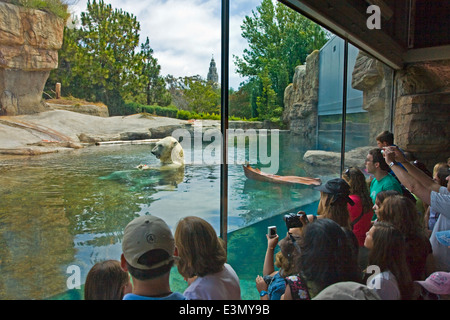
[[414, 179], [269, 266]]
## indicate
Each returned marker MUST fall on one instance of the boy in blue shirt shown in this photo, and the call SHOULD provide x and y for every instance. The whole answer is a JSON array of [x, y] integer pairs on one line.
[[148, 255]]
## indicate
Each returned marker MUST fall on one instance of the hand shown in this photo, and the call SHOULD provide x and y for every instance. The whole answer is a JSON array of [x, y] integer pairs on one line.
[[389, 155], [272, 242], [399, 156], [190, 280], [303, 218], [261, 284]]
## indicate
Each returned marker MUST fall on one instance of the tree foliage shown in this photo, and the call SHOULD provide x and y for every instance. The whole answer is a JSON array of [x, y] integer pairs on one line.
[[279, 39], [99, 60], [201, 95], [153, 89]]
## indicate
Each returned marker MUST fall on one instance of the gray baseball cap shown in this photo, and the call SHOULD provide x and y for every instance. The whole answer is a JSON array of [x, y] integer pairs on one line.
[[147, 233]]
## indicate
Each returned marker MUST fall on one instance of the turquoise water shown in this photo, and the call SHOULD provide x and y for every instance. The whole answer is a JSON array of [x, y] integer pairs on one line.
[[66, 210]]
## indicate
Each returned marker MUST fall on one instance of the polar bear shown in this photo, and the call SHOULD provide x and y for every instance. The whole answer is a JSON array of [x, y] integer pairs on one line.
[[169, 152]]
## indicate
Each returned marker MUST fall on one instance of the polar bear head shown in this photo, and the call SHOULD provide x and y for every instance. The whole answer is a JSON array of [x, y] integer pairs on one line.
[[169, 151]]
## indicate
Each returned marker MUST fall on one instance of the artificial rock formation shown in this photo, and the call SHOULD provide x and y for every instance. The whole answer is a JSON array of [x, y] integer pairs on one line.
[[29, 44], [421, 104], [301, 98], [422, 110], [374, 79]]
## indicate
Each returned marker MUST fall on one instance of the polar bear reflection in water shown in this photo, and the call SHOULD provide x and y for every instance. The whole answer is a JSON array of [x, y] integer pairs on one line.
[[169, 172]]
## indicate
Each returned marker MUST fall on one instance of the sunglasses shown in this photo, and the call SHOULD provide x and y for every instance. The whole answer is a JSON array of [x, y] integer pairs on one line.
[[347, 171]]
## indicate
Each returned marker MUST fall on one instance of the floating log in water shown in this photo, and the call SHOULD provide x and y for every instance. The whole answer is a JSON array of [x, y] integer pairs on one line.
[[118, 142], [256, 174]]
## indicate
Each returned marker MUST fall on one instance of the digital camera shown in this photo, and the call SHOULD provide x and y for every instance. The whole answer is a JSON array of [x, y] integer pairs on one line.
[[292, 220]]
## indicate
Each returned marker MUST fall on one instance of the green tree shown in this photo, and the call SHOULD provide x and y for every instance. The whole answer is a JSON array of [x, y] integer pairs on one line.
[[99, 60], [239, 102], [152, 83], [201, 95], [266, 102], [279, 39], [106, 52]]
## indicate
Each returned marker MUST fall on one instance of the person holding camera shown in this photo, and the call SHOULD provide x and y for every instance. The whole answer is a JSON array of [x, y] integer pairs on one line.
[[325, 256], [334, 197], [273, 284]]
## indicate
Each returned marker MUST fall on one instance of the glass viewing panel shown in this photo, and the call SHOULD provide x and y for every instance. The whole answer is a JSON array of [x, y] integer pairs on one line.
[[61, 213]]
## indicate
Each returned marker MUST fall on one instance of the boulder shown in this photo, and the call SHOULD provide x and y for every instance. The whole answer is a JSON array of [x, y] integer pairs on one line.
[[330, 162], [90, 109], [29, 44]]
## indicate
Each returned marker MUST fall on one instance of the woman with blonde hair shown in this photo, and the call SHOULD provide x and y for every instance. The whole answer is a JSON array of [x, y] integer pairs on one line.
[[402, 213], [273, 283], [202, 262]]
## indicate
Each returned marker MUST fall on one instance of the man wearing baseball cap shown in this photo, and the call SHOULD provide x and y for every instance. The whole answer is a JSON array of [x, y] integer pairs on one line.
[[148, 255]]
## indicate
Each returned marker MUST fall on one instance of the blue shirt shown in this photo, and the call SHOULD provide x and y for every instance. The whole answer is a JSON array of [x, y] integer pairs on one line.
[[172, 296], [277, 287]]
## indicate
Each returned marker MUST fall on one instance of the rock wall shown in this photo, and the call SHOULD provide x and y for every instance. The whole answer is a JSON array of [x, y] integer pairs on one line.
[[29, 44], [422, 111], [374, 79], [421, 103], [301, 98]]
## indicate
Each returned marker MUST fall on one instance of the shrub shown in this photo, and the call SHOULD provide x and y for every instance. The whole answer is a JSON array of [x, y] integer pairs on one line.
[[57, 7]]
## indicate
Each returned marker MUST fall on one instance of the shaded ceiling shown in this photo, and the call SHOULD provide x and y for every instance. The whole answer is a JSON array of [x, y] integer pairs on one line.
[[411, 30]]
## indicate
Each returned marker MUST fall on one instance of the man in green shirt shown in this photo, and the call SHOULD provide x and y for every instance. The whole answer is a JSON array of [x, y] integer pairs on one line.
[[382, 180]]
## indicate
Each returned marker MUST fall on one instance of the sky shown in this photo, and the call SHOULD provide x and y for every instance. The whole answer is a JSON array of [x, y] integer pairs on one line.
[[186, 34]]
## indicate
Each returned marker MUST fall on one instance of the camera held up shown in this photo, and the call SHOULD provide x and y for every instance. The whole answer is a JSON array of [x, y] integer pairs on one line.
[[292, 220]]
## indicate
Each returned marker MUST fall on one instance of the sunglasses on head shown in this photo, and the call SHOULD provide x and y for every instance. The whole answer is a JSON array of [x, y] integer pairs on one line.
[[347, 172]]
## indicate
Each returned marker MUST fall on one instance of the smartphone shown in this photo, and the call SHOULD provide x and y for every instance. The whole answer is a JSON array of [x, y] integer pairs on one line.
[[272, 231]]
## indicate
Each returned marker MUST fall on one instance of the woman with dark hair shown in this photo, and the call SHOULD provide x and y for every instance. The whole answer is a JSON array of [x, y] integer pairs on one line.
[[334, 197], [361, 212], [388, 253], [402, 214], [381, 196], [202, 262], [326, 257], [107, 281]]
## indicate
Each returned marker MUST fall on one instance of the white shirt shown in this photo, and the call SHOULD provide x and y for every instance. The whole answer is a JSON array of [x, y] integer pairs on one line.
[[440, 202], [385, 285], [223, 285]]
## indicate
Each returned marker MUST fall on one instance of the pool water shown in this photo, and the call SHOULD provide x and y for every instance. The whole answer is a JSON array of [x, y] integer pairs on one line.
[[65, 210]]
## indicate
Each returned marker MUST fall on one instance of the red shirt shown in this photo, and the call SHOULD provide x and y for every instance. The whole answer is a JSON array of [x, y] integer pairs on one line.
[[363, 225]]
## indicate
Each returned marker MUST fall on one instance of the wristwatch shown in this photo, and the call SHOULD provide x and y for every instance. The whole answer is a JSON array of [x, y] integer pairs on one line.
[[393, 163], [263, 293]]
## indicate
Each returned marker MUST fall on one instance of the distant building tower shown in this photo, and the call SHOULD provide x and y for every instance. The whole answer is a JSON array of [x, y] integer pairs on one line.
[[212, 73]]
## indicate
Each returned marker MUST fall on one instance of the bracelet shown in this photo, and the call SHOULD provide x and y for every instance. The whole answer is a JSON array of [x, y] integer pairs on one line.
[[263, 293], [393, 163]]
